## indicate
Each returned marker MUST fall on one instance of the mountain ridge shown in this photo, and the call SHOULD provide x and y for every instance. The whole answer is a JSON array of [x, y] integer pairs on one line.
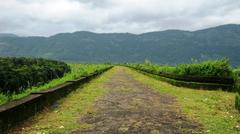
[[165, 47]]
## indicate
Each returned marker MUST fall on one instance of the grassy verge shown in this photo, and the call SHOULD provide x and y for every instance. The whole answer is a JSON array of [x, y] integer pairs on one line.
[[64, 118], [213, 109], [195, 85], [78, 70]]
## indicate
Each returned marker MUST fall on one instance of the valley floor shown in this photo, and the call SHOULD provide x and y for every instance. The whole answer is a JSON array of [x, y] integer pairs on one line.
[[125, 101]]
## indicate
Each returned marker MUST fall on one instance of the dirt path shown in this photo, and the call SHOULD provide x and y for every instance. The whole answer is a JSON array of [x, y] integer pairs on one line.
[[132, 107]]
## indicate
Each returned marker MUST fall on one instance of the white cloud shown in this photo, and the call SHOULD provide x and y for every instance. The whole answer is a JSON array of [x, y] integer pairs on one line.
[[47, 17]]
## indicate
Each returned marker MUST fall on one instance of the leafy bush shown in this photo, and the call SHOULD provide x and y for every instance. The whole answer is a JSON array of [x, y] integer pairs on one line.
[[211, 68], [216, 68], [17, 74], [237, 102], [237, 72], [237, 86]]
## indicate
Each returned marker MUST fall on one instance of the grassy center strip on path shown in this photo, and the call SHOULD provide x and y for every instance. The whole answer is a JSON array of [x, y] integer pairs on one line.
[[213, 109], [64, 117]]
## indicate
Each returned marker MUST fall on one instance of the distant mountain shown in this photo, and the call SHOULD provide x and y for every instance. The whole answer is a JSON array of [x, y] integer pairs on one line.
[[7, 35], [166, 47]]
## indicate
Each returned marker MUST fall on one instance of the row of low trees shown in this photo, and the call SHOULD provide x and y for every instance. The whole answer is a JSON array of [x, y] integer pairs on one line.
[[17, 74]]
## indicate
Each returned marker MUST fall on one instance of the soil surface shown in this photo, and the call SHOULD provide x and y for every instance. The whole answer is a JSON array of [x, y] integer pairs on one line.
[[132, 107]]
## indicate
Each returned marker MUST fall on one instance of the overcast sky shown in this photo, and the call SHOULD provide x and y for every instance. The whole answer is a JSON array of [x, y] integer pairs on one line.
[[48, 17]]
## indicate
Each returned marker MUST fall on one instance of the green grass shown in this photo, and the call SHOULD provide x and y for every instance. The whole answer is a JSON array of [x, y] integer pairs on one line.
[[64, 118], [237, 102], [77, 70], [213, 109], [194, 85], [237, 72], [210, 68]]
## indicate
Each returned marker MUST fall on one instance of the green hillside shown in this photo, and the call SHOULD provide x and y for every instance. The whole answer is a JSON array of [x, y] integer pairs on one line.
[[168, 47]]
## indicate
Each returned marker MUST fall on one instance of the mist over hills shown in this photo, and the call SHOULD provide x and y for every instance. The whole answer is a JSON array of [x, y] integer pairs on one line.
[[7, 35], [165, 47]]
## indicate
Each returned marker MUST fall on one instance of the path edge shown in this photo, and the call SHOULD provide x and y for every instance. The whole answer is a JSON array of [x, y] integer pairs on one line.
[[15, 112]]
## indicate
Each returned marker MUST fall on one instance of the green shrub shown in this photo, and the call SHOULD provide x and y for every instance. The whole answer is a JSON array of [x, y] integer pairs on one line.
[[237, 79], [237, 102], [237, 72], [216, 68], [17, 74], [211, 68]]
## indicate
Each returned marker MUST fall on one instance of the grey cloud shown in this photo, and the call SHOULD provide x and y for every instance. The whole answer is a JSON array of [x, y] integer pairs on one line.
[[47, 17]]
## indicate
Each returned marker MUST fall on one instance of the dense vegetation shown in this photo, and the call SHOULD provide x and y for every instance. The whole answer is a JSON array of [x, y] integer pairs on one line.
[[17, 74], [237, 74], [77, 71], [210, 68], [163, 47], [218, 71], [237, 101]]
